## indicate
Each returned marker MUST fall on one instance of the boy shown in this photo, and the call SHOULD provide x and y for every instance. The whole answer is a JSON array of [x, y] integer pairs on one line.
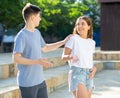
[[28, 46]]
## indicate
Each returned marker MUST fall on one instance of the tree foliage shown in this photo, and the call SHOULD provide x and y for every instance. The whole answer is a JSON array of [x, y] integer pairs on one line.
[[93, 12], [10, 13], [58, 16]]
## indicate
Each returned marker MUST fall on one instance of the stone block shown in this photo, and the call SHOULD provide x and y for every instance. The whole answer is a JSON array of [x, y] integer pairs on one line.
[[109, 65], [15, 70], [97, 56], [5, 71], [114, 56], [99, 66], [109, 57], [11, 70], [104, 57], [117, 65]]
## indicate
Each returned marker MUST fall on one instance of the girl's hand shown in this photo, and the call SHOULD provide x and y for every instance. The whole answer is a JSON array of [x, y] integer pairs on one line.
[[93, 71], [74, 59]]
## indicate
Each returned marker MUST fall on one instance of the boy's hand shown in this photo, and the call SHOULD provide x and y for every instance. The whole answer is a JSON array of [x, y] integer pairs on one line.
[[93, 71], [44, 62], [68, 38]]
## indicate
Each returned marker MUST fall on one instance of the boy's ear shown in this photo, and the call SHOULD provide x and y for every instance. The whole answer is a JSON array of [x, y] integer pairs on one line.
[[32, 17]]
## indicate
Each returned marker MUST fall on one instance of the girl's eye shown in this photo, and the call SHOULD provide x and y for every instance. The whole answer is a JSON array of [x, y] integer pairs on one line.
[[77, 24], [83, 23]]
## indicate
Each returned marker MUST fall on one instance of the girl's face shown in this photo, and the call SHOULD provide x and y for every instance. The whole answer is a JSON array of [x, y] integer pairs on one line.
[[82, 28]]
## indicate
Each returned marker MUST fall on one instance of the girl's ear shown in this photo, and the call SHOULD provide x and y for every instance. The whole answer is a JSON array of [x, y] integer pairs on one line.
[[89, 27]]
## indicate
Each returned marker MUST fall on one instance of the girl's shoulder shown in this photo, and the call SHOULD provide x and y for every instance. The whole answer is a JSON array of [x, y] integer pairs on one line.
[[74, 36], [92, 41]]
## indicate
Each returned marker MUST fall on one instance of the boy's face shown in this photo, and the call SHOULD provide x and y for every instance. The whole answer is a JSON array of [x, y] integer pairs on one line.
[[36, 19]]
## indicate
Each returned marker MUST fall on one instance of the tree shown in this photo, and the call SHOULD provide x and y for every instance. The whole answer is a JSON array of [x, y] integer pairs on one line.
[[10, 11], [59, 17], [93, 12]]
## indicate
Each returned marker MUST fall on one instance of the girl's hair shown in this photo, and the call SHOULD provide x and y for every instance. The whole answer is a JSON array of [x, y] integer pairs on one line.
[[89, 22], [30, 9]]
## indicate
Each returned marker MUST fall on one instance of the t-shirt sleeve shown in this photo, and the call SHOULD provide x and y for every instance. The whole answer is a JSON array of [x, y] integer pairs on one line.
[[19, 44], [42, 41], [69, 43]]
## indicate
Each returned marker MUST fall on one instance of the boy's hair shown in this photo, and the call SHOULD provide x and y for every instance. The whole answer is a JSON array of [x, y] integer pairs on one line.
[[30, 9]]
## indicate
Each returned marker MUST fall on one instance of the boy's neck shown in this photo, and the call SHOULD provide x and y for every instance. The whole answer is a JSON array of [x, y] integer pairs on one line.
[[29, 27]]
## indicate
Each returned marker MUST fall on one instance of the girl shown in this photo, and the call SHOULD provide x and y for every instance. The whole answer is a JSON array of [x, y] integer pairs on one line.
[[79, 54]]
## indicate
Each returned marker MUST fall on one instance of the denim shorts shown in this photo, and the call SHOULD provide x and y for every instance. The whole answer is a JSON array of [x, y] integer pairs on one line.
[[79, 76]]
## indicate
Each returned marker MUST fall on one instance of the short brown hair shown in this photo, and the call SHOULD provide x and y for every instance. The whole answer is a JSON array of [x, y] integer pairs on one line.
[[89, 22], [30, 9]]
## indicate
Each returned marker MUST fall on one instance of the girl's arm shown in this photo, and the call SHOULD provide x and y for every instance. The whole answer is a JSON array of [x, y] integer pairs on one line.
[[93, 71], [66, 54]]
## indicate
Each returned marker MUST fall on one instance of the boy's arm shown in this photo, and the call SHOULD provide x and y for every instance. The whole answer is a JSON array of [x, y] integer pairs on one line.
[[19, 59], [54, 46]]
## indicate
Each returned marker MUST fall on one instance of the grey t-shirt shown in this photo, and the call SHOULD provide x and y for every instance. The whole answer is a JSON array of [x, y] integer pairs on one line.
[[29, 44]]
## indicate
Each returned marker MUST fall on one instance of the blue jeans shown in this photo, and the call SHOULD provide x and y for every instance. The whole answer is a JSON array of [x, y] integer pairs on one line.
[[79, 76], [38, 91]]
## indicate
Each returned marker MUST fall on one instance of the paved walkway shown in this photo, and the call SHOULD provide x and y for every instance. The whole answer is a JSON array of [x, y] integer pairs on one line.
[[107, 82], [107, 85]]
